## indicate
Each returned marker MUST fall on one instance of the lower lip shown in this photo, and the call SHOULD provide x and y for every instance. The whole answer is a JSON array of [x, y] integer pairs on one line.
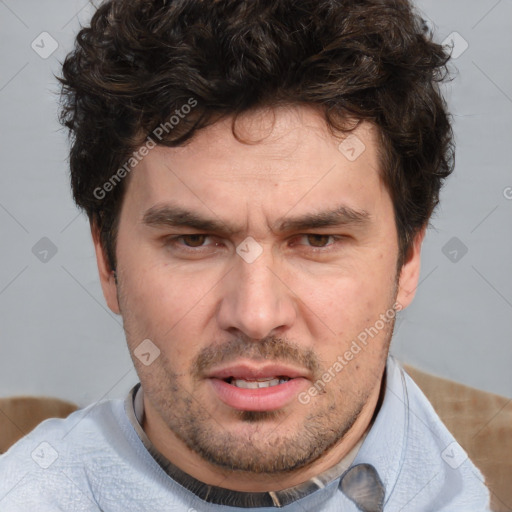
[[261, 399]]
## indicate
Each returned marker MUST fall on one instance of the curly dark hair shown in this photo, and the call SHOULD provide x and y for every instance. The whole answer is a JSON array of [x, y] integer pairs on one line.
[[141, 61]]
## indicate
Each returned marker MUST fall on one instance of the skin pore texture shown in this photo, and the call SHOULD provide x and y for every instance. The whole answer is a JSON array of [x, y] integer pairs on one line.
[[327, 270]]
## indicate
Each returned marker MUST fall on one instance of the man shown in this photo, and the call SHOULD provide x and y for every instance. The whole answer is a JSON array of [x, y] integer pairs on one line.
[[258, 177]]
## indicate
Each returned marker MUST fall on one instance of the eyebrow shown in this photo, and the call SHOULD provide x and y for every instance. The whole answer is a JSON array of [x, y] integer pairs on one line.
[[173, 216], [341, 216]]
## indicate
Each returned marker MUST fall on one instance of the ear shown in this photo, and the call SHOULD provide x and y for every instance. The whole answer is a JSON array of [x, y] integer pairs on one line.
[[410, 272], [107, 277]]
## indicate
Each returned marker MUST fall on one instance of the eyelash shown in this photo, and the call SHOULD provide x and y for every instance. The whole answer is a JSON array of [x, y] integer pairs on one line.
[[321, 248], [175, 241]]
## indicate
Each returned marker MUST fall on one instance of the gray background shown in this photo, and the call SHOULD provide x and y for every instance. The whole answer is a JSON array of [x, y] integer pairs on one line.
[[58, 338]]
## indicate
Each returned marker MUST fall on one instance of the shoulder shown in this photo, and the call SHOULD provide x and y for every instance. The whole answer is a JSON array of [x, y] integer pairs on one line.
[[91, 461], [53, 461], [435, 462], [68, 436]]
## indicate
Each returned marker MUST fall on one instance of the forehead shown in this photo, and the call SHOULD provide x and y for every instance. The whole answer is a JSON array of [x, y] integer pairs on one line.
[[277, 161]]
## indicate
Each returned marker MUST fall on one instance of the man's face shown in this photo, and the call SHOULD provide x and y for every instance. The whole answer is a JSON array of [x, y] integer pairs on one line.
[[284, 305]]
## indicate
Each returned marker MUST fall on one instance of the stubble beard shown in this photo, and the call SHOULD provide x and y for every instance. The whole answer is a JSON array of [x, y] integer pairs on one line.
[[267, 442]]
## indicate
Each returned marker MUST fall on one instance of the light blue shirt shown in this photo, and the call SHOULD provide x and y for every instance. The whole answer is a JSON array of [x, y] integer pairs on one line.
[[99, 459]]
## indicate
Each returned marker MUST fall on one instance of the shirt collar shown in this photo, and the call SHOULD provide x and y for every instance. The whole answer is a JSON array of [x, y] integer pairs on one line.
[[385, 445]]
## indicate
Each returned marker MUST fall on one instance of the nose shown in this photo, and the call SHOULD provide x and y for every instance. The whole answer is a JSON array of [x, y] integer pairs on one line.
[[255, 301]]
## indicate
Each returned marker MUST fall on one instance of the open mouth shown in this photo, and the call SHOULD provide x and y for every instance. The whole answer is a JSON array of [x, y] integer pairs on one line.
[[257, 383], [247, 387]]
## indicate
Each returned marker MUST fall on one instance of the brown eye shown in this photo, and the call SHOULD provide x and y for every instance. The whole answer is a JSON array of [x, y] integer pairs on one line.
[[318, 240], [194, 240]]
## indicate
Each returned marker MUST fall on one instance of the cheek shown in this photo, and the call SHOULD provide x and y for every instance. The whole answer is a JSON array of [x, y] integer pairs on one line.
[[342, 315], [347, 301], [161, 303]]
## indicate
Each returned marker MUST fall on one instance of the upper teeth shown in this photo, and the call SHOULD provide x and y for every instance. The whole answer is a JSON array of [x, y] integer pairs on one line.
[[258, 383]]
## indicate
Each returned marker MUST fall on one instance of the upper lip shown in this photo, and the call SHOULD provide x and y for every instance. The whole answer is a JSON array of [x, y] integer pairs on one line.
[[252, 372]]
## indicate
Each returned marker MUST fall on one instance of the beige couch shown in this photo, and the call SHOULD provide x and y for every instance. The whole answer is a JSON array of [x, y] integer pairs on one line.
[[19, 415], [481, 422]]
